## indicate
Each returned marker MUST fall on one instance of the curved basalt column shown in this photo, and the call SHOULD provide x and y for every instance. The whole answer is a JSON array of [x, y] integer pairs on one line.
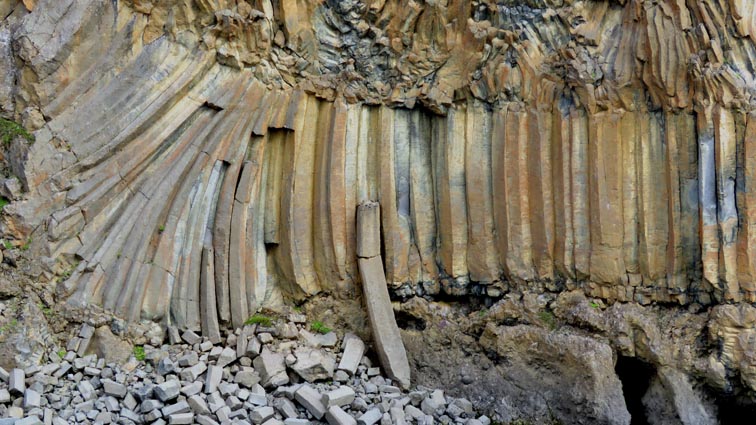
[[205, 158]]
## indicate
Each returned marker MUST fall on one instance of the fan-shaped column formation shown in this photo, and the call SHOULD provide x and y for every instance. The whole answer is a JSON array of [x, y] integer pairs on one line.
[[211, 195]]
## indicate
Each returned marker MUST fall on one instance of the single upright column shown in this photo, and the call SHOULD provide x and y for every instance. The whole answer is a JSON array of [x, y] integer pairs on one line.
[[388, 341]]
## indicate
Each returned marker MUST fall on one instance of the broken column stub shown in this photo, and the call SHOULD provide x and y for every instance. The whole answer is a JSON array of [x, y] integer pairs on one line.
[[386, 335], [368, 229]]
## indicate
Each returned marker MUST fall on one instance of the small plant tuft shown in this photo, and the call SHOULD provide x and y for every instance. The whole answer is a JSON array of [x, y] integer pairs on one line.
[[259, 319], [320, 328], [26, 245], [3, 202], [483, 312], [8, 245], [594, 304], [10, 129], [61, 353], [139, 353], [548, 319], [161, 229]]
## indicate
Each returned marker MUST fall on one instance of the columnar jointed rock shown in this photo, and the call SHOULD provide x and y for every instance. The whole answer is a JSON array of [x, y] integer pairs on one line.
[[386, 335]]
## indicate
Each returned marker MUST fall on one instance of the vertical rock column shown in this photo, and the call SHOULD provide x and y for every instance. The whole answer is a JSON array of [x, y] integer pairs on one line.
[[388, 342]]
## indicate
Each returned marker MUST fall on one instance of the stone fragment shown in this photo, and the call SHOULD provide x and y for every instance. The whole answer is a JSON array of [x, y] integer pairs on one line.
[[168, 390], [181, 419], [189, 359], [261, 414], [32, 399], [87, 390], [313, 365], [272, 369], [337, 416], [114, 388], [285, 407], [341, 396], [434, 404], [30, 420], [192, 389], [17, 382], [190, 337], [370, 417], [247, 378], [354, 349], [165, 366], [213, 379], [194, 372], [226, 357], [205, 420], [172, 409], [310, 399]]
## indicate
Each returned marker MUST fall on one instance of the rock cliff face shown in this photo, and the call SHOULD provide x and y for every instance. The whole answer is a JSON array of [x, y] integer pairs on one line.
[[197, 160]]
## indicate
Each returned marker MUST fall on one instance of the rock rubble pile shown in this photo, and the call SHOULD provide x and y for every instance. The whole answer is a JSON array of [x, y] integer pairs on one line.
[[277, 374]]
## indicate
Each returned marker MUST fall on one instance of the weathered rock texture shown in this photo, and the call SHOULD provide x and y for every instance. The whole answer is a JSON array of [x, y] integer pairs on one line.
[[196, 160], [198, 157]]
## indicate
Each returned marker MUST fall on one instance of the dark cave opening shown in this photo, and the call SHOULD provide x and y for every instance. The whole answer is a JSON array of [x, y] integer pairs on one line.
[[635, 376], [408, 322], [734, 410]]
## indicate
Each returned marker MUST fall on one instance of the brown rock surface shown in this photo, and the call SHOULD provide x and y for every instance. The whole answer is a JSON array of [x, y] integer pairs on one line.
[[195, 161]]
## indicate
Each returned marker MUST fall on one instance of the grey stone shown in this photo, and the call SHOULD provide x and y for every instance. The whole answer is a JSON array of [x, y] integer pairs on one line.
[[311, 400], [370, 417], [129, 402], [671, 399], [189, 359], [340, 376], [167, 391], [172, 409], [87, 390], [17, 382], [247, 378], [198, 405], [285, 407], [354, 349], [32, 399], [205, 420], [153, 415], [295, 421], [213, 378], [272, 369], [181, 419], [397, 416], [150, 405], [194, 372], [192, 389], [388, 341], [261, 414], [31, 420], [254, 347], [341, 396], [337, 416], [5, 396], [313, 365], [114, 388], [165, 366], [190, 337], [434, 404], [130, 415], [226, 357]]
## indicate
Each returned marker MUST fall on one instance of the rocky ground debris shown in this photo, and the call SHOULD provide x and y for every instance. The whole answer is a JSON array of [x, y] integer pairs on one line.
[[280, 374]]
